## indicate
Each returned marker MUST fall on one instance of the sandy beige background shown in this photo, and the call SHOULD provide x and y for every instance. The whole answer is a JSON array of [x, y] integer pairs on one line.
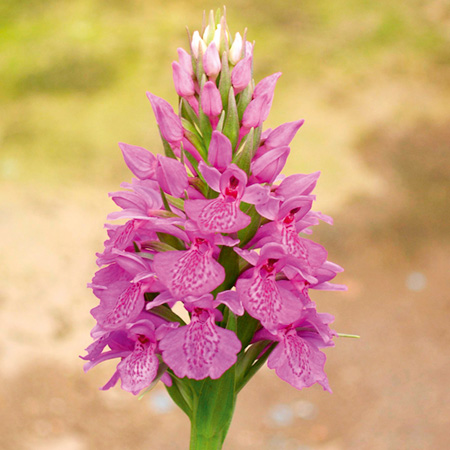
[[372, 82]]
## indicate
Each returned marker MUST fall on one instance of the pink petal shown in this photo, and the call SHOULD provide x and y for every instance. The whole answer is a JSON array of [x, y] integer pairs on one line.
[[200, 349], [182, 80], [267, 167], [172, 176], [217, 215], [231, 299], [283, 134], [138, 369], [211, 175], [188, 272], [264, 300], [120, 304], [298, 362], [220, 151], [210, 100], [140, 161]]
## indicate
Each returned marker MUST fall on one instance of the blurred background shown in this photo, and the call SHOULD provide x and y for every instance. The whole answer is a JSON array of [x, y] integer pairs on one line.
[[372, 81]]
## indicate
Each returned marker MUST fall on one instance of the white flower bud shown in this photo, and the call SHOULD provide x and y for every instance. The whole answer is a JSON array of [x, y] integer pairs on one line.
[[236, 49], [196, 42]]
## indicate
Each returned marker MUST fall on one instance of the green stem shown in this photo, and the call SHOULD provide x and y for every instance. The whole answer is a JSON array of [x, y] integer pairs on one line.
[[200, 441]]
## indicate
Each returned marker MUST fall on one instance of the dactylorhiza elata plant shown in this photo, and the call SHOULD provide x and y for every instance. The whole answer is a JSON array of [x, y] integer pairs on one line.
[[214, 226]]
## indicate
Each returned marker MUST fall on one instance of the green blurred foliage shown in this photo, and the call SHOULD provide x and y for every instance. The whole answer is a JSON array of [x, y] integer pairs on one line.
[[74, 73]]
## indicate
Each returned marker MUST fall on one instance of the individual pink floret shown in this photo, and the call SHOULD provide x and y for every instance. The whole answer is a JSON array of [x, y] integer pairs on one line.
[[200, 349], [221, 214], [189, 272]]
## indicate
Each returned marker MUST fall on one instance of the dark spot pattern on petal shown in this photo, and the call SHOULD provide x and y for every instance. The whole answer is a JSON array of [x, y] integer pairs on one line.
[[201, 345]]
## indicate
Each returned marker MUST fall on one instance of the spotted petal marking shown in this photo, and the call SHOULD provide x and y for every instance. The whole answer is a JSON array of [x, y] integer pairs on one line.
[[264, 301], [128, 305], [124, 235], [201, 345], [193, 273], [297, 355], [138, 369], [291, 240], [219, 215]]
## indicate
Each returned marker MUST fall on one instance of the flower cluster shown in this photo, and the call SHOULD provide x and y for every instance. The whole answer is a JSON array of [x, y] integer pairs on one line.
[[213, 226]]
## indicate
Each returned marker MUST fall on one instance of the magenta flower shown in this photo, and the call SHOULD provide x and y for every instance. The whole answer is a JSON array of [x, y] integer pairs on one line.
[[189, 272], [211, 101], [214, 227], [202, 348], [211, 61], [221, 214]]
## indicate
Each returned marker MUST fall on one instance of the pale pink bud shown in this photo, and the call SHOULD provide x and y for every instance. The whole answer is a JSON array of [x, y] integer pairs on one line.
[[256, 112], [185, 61], [268, 166], [140, 161], [182, 80], [236, 49], [196, 42], [220, 151], [211, 61], [248, 48], [242, 74], [283, 134], [217, 35], [172, 176], [169, 123], [267, 86], [210, 100]]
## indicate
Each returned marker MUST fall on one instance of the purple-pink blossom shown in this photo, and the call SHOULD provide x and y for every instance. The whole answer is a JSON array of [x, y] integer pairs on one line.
[[210, 224]]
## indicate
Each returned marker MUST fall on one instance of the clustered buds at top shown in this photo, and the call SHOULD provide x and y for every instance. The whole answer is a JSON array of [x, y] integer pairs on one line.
[[215, 227]]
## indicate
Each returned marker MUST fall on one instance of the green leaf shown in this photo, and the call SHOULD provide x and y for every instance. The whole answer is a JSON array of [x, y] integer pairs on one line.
[[194, 137], [231, 125], [179, 396], [244, 155], [219, 126], [246, 327], [229, 259], [177, 202], [213, 410], [188, 113], [249, 232], [199, 72], [171, 240], [245, 97], [255, 367], [157, 246], [205, 127], [167, 148], [166, 313], [225, 81], [247, 358]]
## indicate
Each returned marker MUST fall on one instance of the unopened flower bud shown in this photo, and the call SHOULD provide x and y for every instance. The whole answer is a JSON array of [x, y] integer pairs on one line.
[[267, 167], [196, 42], [211, 61], [283, 134], [256, 112], [236, 49], [172, 176], [182, 80], [169, 123], [217, 35], [220, 151], [210, 100], [242, 74], [185, 61]]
